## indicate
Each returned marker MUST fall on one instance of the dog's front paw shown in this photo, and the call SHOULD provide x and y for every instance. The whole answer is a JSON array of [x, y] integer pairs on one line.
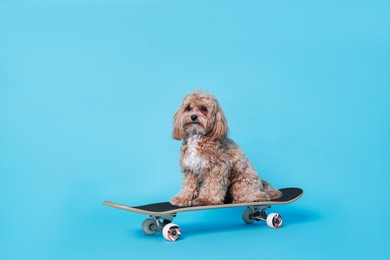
[[181, 201], [205, 202]]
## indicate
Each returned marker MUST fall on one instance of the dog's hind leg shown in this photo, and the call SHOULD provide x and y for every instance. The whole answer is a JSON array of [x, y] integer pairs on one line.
[[248, 189], [271, 191]]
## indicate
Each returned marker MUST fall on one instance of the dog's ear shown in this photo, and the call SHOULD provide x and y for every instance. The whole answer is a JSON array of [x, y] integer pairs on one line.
[[220, 129], [178, 131]]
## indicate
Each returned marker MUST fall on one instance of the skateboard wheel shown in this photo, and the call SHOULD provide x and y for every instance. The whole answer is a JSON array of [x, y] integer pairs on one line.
[[171, 232], [274, 220], [247, 216], [149, 226]]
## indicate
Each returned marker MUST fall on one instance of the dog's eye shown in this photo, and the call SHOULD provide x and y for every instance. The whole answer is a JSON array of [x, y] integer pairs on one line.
[[203, 109], [188, 108]]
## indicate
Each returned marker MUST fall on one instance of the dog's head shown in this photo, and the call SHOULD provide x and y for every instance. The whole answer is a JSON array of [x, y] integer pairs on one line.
[[199, 114]]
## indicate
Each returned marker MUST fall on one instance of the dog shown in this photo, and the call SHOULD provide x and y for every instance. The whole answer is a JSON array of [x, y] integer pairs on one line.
[[214, 168]]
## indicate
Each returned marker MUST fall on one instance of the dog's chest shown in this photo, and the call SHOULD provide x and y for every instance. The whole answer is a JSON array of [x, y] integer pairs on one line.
[[192, 159]]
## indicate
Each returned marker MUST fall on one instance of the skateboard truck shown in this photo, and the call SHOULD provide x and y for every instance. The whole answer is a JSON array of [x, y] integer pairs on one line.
[[161, 221], [258, 213], [163, 224]]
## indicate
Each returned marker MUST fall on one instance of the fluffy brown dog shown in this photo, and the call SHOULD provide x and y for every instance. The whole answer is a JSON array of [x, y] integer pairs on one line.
[[213, 166]]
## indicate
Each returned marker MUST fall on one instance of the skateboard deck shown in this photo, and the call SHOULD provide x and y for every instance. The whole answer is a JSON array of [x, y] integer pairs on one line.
[[163, 213], [157, 209]]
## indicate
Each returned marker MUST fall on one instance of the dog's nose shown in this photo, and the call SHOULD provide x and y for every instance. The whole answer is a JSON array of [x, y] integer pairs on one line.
[[194, 117]]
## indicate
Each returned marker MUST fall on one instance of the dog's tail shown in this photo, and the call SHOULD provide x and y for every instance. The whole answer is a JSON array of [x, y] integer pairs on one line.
[[271, 191]]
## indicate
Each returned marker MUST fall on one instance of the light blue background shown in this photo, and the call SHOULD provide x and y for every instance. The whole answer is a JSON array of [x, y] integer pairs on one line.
[[87, 94]]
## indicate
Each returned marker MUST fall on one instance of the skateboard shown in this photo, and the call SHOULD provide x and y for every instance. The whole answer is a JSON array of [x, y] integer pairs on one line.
[[162, 214]]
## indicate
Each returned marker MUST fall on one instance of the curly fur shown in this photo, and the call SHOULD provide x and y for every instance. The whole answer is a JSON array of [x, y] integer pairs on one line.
[[213, 166]]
